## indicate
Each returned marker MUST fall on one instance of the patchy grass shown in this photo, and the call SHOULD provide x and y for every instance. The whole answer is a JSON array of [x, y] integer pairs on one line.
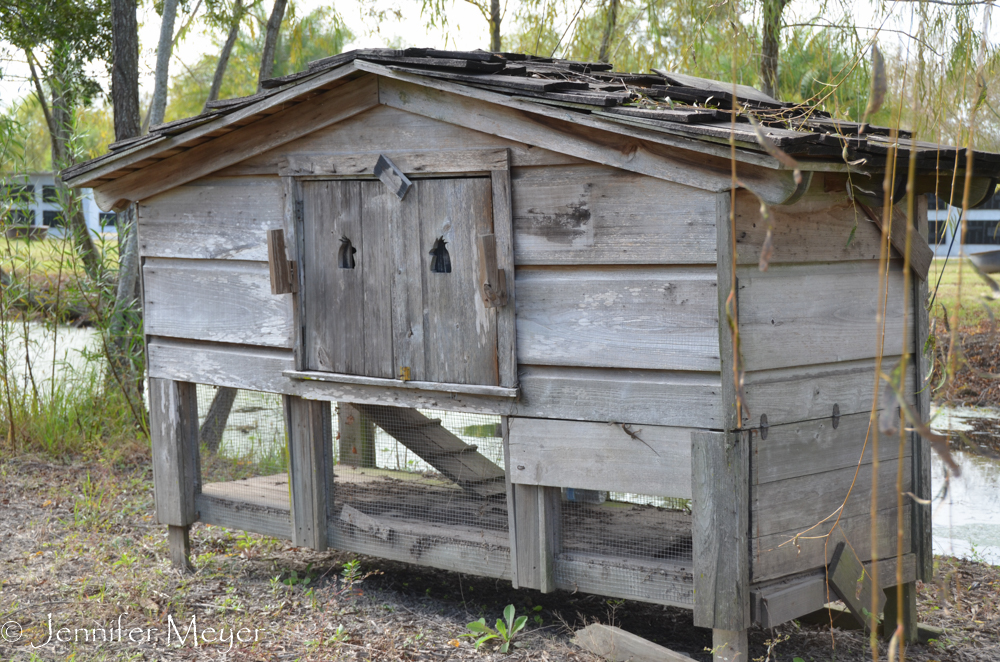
[[971, 302], [52, 258], [80, 543]]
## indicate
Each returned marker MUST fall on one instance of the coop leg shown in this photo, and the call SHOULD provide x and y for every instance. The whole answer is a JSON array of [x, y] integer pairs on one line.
[[180, 547], [908, 609], [309, 431], [730, 646], [173, 419]]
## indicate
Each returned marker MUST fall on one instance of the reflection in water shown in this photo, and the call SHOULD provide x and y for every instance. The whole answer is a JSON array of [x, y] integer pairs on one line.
[[967, 516], [47, 349]]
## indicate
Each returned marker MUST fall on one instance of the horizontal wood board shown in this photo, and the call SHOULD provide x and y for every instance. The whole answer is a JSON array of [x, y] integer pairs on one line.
[[794, 315], [806, 393], [816, 447], [217, 300], [651, 318], [781, 554], [822, 226], [639, 397], [430, 547], [648, 581], [795, 504], [212, 219], [601, 456], [593, 214]]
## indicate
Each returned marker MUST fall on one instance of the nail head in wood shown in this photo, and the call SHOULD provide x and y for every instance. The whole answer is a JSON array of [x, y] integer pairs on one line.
[[392, 177]]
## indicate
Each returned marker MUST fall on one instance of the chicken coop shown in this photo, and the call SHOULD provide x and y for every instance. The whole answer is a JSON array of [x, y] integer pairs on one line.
[[497, 296]]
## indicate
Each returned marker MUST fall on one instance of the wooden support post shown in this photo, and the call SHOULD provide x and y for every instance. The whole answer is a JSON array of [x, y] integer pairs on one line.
[[852, 581], [309, 435], [179, 543], [720, 526], [921, 462], [357, 436], [730, 646], [537, 513], [173, 426], [908, 607]]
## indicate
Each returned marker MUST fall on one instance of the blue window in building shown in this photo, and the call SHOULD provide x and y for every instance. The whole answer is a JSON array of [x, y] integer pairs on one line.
[[53, 219]]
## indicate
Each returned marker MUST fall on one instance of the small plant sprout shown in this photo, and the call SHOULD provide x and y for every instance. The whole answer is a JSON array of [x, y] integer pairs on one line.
[[506, 628]]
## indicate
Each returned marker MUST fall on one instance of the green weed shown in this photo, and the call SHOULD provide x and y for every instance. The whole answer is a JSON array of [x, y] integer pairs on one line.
[[506, 629]]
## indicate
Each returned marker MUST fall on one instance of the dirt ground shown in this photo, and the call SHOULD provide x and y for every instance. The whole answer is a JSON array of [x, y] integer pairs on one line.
[[78, 542]]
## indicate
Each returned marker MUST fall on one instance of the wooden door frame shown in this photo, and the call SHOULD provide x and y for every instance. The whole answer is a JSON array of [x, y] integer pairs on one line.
[[494, 163]]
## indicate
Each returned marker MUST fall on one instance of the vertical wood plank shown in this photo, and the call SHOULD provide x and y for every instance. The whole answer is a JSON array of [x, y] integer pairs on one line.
[[908, 607], [378, 207], [724, 250], [921, 466], [335, 322], [720, 526], [407, 287], [292, 210], [730, 645], [308, 439], [549, 535], [511, 522], [460, 343], [173, 414], [526, 526], [357, 436], [179, 544], [505, 317]]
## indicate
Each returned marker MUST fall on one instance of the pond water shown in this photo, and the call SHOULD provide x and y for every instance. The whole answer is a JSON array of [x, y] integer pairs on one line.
[[966, 509]]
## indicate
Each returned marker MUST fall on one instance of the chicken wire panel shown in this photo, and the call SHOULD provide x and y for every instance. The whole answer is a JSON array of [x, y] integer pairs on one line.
[[243, 457], [418, 485], [625, 545]]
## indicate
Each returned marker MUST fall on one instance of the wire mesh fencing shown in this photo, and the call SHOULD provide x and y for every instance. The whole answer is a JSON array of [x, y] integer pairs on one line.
[[243, 456], [415, 467]]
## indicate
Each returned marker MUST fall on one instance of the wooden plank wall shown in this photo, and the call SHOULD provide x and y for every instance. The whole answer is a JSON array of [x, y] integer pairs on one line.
[[615, 288], [809, 339]]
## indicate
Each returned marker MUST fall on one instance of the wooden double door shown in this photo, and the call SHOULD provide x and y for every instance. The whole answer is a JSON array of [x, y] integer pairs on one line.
[[390, 287]]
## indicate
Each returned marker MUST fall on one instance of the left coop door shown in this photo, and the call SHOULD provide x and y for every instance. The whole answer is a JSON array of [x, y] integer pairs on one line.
[[391, 286], [347, 258]]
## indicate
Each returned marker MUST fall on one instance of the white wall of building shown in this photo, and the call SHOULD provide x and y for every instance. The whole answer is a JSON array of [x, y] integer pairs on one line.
[[32, 196]]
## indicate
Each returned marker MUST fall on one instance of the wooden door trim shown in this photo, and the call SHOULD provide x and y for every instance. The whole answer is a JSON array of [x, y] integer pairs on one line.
[[440, 387], [494, 163], [355, 165]]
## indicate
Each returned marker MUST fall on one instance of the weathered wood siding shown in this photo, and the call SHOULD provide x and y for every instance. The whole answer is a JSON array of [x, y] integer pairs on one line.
[[615, 289], [806, 477], [810, 341]]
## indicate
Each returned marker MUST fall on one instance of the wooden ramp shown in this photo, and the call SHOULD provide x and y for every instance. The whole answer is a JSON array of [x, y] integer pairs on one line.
[[435, 445]]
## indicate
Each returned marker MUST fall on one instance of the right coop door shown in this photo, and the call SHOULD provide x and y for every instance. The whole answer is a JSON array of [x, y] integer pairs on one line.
[[390, 287]]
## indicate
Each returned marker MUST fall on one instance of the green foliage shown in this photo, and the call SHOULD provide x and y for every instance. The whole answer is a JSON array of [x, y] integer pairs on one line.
[[505, 631], [302, 39]]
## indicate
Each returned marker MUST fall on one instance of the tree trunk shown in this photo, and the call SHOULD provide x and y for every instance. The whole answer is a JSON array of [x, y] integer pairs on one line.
[[164, 50], [271, 42], [210, 435], [125, 328], [770, 44], [495, 26], [227, 49], [59, 119], [609, 29], [125, 68]]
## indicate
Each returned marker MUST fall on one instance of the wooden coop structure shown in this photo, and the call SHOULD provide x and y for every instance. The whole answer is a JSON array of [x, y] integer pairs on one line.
[[393, 240]]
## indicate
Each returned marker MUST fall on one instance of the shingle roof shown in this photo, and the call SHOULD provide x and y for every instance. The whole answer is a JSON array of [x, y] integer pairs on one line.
[[660, 101]]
